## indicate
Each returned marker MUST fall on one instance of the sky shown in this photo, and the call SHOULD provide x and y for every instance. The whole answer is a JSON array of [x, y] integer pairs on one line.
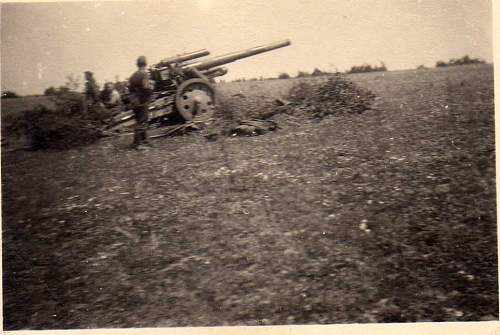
[[43, 43]]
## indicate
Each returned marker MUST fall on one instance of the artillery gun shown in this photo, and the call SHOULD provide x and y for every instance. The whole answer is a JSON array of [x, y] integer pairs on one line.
[[184, 86]]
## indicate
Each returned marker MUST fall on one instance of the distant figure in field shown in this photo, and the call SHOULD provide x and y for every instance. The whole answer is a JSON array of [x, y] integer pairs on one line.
[[140, 92], [91, 89], [110, 96]]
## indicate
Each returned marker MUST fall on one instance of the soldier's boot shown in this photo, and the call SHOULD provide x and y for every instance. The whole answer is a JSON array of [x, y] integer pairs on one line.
[[137, 138], [145, 139]]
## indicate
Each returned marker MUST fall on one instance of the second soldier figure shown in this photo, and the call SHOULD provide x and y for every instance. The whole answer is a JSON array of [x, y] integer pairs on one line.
[[140, 93]]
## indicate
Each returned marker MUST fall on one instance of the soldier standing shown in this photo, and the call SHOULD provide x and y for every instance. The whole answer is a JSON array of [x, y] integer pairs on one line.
[[140, 92], [91, 89]]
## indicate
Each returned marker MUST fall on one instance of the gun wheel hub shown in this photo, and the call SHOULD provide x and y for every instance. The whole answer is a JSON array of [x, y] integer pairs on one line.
[[194, 97]]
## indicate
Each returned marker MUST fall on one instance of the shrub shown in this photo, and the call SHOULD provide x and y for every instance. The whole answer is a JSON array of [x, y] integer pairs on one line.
[[368, 68], [69, 124], [440, 63], [302, 74], [465, 60], [52, 91], [317, 72], [284, 75], [9, 95]]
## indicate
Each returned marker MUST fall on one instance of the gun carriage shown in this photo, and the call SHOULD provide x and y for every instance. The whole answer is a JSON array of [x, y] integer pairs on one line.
[[184, 85]]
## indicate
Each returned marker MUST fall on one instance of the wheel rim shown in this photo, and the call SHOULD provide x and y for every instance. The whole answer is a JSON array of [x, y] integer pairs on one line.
[[195, 97]]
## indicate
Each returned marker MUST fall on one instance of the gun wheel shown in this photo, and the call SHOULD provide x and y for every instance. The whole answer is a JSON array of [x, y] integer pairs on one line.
[[193, 97]]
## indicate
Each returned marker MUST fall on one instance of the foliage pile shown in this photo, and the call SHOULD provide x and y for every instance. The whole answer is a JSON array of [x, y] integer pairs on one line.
[[69, 124], [336, 96]]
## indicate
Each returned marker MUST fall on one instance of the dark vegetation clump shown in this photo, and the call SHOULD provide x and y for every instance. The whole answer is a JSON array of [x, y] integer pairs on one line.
[[52, 91], [368, 68], [69, 124], [9, 95], [337, 96], [465, 60]]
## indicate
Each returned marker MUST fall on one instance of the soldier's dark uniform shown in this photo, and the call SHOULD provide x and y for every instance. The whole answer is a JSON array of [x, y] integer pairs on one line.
[[140, 92], [91, 89]]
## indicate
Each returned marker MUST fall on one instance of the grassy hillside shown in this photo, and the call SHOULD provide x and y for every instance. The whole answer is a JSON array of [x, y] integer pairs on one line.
[[384, 216], [14, 106]]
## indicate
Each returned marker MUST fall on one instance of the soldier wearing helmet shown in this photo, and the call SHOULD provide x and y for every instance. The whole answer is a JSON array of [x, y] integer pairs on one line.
[[140, 93]]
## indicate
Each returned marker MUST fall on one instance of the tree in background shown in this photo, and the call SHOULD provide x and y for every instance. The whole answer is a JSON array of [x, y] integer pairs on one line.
[[317, 72], [284, 75], [368, 68], [52, 91], [465, 60], [72, 82], [302, 74]]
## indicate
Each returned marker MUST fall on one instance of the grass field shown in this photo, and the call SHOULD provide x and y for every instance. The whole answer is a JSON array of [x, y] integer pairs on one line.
[[17, 105], [385, 216], [10, 113]]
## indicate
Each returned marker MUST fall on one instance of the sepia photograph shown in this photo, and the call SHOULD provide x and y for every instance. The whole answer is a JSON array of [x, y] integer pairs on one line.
[[206, 163]]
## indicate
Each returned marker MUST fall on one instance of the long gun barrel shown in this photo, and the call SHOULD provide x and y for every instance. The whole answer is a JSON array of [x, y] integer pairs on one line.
[[234, 56], [184, 57]]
